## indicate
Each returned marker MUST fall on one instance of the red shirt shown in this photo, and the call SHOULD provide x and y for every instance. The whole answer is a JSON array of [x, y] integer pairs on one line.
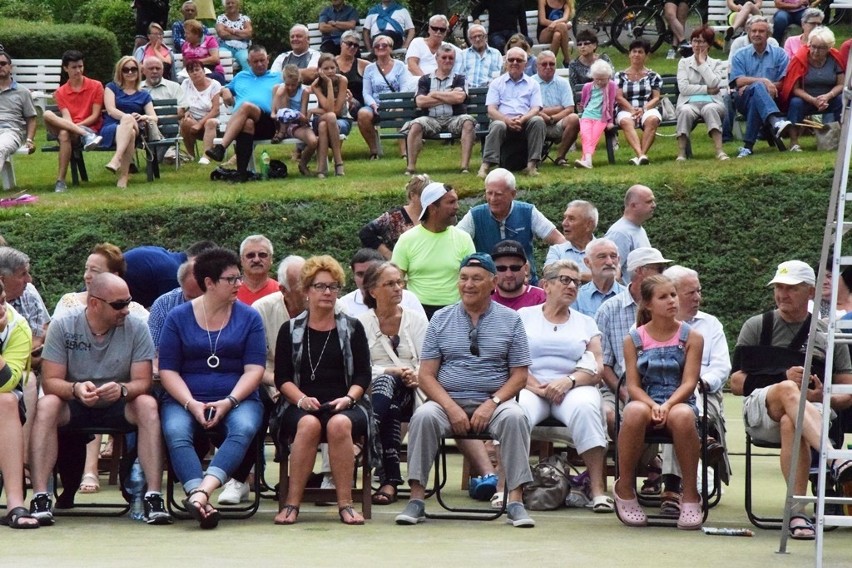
[[532, 297], [80, 103], [248, 297]]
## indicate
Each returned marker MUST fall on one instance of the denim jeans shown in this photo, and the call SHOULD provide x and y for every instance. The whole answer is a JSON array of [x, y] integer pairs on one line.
[[757, 105], [799, 109], [179, 428], [782, 20]]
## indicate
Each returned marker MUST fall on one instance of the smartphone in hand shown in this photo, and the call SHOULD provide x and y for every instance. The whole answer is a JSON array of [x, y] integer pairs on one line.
[[209, 413]]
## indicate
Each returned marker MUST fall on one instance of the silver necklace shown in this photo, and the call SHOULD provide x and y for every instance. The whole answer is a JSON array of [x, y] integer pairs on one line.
[[310, 361], [213, 360]]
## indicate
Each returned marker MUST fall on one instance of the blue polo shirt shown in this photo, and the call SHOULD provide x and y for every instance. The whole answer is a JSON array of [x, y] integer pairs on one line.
[[258, 90]]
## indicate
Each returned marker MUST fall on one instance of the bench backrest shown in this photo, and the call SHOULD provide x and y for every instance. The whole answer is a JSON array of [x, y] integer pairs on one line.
[[38, 74], [717, 13], [167, 117], [225, 59]]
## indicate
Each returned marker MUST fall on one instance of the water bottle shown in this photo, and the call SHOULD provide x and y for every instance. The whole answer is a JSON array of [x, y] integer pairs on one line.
[[264, 158], [136, 488]]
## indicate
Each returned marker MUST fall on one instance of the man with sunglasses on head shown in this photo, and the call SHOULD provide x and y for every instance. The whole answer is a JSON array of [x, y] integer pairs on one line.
[[473, 363], [511, 288], [256, 260], [96, 372], [502, 217]]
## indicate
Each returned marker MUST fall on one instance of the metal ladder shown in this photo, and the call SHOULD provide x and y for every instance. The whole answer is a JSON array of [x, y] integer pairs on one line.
[[836, 227]]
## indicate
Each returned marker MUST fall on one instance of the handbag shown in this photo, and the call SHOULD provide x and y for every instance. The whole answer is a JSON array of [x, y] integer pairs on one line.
[[667, 109], [550, 485]]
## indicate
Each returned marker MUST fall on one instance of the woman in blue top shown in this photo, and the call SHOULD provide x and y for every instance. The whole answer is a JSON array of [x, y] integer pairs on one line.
[[385, 75], [128, 109], [212, 356], [662, 360]]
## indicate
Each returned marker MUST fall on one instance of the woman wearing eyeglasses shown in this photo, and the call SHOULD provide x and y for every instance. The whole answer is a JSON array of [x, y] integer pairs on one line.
[[322, 369], [580, 68], [385, 75], [211, 359], [129, 110], [352, 67], [395, 335], [563, 379], [155, 48]]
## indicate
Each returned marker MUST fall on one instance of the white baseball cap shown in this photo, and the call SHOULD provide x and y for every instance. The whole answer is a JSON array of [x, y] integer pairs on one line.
[[643, 256], [794, 272], [431, 193]]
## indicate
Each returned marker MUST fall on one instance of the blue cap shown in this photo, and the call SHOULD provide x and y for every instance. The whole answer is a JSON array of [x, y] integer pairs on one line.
[[480, 260]]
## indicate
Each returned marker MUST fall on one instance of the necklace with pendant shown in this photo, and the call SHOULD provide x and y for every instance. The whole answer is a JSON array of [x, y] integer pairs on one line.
[[310, 361], [213, 360]]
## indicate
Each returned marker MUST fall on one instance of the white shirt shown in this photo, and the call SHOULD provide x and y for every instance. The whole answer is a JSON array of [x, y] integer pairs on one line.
[[353, 303], [715, 359]]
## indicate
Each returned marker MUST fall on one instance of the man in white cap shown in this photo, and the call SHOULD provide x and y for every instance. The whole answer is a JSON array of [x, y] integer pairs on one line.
[[628, 233], [768, 372], [430, 253]]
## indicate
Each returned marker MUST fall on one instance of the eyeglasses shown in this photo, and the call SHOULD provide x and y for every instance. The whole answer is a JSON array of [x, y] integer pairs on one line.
[[129, 70], [394, 341], [321, 287], [567, 281], [547, 64], [512, 267], [584, 43], [117, 305], [698, 41], [819, 47], [473, 336], [380, 45], [394, 283], [251, 255], [232, 280], [438, 30], [4, 63], [515, 60], [477, 36], [447, 58], [351, 44]]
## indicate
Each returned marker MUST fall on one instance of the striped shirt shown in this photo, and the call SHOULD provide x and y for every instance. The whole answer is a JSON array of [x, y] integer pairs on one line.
[[615, 317], [481, 68], [502, 345]]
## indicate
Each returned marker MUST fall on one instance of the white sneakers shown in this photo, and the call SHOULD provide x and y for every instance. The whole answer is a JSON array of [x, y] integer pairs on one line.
[[234, 493]]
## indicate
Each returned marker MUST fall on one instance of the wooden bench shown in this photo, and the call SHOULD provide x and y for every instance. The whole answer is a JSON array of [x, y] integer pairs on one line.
[[40, 76], [717, 13], [397, 109], [532, 27], [225, 59]]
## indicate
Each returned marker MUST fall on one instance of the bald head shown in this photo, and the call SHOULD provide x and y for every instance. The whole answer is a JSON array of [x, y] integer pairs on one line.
[[107, 284], [639, 204]]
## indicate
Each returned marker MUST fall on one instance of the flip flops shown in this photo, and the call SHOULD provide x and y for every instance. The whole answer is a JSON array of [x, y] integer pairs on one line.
[[24, 199], [348, 516], [206, 515], [602, 504], [283, 517]]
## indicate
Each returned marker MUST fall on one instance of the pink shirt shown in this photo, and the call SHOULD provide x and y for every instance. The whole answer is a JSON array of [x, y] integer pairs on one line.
[[534, 296], [649, 342]]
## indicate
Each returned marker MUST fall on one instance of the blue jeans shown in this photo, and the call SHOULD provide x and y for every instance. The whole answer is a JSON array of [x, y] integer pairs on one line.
[[782, 20], [180, 427], [757, 105], [799, 109]]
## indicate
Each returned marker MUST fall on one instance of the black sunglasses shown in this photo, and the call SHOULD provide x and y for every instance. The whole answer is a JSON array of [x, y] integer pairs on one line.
[[473, 336], [251, 255], [438, 30], [512, 267], [117, 305]]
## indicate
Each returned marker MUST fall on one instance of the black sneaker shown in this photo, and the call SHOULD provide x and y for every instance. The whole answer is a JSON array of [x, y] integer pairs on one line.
[[217, 153], [155, 510], [41, 508]]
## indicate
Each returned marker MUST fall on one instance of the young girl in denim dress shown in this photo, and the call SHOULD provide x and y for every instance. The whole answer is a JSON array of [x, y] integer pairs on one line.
[[662, 358]]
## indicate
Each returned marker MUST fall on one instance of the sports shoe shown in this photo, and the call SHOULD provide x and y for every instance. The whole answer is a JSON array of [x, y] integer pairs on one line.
[[41, 508], [217, 153], [518, 516], [327, 482], [583, 164], [234, 493], [634, 161], [482, 488], [414, 512], [204, 161], [781, 127], [795, 148], [744, 153], [91, 139], [60, 186], [643, 160], [671, 54], [155, 510]]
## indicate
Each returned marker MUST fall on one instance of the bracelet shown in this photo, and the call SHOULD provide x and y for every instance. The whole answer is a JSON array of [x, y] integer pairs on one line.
[[234, 402], [573, 382], [74, 390], [299, 404], [29, 140], [351, 399], [186, 405]]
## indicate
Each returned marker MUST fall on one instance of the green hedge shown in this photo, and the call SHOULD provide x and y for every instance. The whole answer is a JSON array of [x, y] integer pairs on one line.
[[733, 230], [29, 40], [113, 15]]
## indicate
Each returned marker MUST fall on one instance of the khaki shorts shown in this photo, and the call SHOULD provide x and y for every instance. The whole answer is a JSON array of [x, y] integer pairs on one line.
[[433, 126], [554, 131], [758, 423]]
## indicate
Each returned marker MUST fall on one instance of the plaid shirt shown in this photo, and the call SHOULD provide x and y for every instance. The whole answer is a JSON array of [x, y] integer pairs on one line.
[[481, 69], [639, 92], [32, 308], [615, 317]]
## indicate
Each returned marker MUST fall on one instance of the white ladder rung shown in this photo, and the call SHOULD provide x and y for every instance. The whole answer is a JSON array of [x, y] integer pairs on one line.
[[832, 500], [837, 521], [841, 389], [841, 453]]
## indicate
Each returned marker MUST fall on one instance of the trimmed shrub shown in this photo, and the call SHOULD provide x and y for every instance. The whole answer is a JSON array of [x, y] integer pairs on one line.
[[32, 11], [28, 40], [114, 15]]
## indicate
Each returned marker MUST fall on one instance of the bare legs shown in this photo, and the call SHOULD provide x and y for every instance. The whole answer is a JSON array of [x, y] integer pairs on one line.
[[329, 135], [192, 132], [559, 39], [125, 140]]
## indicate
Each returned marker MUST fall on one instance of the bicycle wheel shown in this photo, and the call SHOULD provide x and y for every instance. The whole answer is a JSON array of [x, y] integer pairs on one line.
[[638, 22], [597, 16], [694, 20]]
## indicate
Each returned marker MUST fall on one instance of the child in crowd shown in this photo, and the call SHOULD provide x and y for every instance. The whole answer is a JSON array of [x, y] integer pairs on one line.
[[331, 115], [290, 109], [662, 359], [598, 102]]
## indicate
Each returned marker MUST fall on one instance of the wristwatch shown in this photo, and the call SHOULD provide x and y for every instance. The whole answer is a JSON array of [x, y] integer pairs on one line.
[[123, 391], [496, 400]]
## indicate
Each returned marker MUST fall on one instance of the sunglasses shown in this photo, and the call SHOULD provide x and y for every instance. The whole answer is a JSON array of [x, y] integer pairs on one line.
[[547, 64], [320, 287], [117, 305], [4, 63], [351, 44], [567, 281], [380, 45], [512, 267], [473, 336], [515, 60], [584, 43], [251, 255], [128, 70], [438, 30], [232, 280]]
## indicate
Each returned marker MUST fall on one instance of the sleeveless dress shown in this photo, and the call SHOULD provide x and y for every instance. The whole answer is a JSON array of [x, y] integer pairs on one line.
[[552, 14], [661, 363]]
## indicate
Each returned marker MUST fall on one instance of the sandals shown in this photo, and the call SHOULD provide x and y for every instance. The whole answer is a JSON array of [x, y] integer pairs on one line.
[[106, 452], [691, 516], [670, 504], [384, 498], [602, 504], [353, 519], [14, 517], [89, 484], [207, 516], [654, 484], [338, 169], [804, 530], [497, 500], [283, 516], [278, 137], [562, 162], [629, 511], [111, 168]]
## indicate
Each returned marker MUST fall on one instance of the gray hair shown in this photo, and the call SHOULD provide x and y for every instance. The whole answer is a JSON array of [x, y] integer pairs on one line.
[[757, 19], [255, 239], [813, 13], [447, 48], [520, 50], [546, 53], [589, 210], [595, 243], [302, 27], [474, 27], [284, 266], [501, 174], [677, 273], [824, 34], [436, 17], [600, 67], [551, 271], [12, 260], [184, 270], [350, 34]]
